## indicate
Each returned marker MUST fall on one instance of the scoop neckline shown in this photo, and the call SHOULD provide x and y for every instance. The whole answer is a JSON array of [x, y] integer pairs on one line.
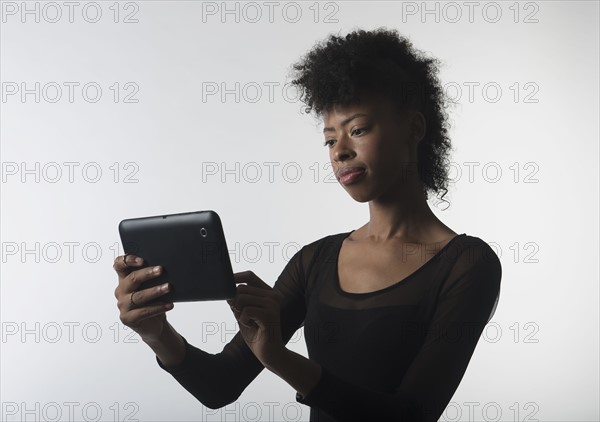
[[409, 277]]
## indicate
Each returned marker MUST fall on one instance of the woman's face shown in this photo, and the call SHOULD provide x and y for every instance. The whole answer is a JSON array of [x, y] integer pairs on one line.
[[375, 136]]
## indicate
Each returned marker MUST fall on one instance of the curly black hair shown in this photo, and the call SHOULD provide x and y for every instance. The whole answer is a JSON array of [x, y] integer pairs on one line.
[[341, 69]]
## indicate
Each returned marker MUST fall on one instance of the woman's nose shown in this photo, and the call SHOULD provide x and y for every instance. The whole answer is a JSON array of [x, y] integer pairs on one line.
[[342, 149]]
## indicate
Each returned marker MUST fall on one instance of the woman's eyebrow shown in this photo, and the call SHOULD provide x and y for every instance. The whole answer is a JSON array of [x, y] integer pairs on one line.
[[345, 122]]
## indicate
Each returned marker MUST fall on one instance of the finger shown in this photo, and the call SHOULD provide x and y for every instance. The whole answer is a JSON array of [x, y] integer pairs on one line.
[[238, 278], [135, 278], [252, 290], [252, 316], [258, 291], [124, 266], [141, 297], [236, 312], [271, 293], [250, 279], [242, 301], [135, 316], [123, 263]]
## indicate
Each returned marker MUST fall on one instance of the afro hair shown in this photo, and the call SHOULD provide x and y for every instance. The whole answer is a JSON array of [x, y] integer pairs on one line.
[[340, 69]]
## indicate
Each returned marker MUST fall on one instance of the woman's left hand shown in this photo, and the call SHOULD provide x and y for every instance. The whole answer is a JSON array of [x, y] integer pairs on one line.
[[256, 308]]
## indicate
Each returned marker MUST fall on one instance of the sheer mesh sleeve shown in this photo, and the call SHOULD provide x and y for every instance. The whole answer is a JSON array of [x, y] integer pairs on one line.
[[465, 303], [219, 379]]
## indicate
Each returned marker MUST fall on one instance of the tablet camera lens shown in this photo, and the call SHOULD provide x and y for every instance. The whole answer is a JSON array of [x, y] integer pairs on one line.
[[203, 232]]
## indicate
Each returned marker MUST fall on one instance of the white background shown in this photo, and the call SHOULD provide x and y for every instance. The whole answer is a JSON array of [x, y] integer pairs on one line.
[[62, 341]]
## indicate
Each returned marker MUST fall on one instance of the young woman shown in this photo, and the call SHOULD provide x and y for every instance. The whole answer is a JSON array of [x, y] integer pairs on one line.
[[392, 311]]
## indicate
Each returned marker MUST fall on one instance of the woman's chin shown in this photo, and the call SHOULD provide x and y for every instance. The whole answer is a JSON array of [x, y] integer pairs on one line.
[[360, 196]]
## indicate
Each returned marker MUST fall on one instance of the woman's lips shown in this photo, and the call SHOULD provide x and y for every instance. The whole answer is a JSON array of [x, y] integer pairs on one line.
[[352, 176]]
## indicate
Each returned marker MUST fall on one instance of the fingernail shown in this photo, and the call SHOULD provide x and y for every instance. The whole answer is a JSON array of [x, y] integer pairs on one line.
[[138, 260], [164, 287]]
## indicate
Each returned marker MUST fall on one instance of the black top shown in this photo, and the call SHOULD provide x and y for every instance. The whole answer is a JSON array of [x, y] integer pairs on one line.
[[398, 353]]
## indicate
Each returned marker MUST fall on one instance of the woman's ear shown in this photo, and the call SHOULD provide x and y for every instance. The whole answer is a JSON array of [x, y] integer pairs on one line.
[[418, 126]]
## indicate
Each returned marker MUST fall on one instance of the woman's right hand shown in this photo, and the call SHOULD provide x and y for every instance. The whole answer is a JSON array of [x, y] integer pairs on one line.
[[148, 320]]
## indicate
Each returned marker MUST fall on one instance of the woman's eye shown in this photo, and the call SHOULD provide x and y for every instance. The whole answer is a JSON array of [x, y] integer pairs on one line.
[[360, 129]]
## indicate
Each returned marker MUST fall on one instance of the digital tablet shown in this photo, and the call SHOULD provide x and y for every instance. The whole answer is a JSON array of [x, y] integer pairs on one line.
[[190, 247]]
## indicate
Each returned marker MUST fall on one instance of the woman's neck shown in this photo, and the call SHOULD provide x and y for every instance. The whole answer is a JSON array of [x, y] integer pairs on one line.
[[406, 218]]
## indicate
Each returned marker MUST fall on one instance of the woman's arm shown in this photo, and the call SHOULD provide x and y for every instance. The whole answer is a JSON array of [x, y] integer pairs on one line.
[[464, 307], [301, 373], [169, 348], [219, 379]]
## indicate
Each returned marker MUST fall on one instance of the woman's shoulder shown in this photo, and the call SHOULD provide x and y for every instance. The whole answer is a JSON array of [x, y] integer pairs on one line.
[[321, 250], [327, 245], [469, 251], [476, 265], [327, 240], [477, 244]]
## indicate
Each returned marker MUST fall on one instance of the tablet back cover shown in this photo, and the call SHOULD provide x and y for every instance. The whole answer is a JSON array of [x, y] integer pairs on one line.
[[190, 247]]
